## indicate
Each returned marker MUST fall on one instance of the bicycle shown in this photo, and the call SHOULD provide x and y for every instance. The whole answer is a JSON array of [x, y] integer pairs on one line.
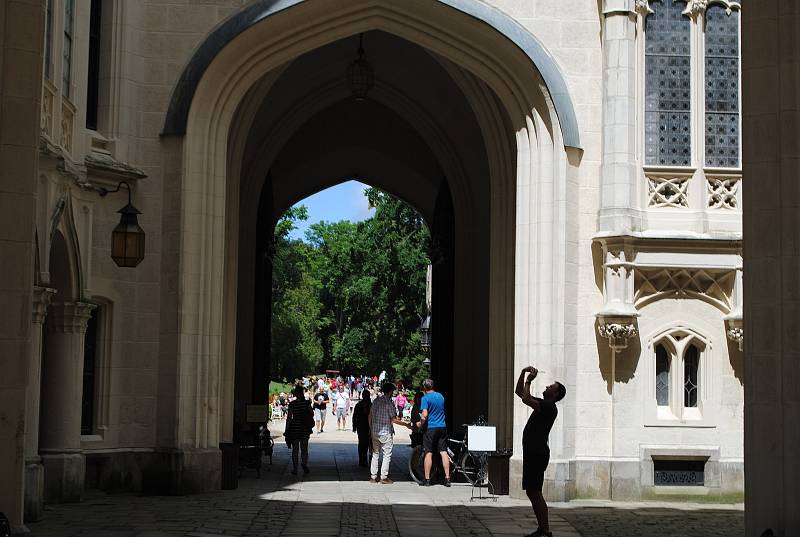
[[463, 464]]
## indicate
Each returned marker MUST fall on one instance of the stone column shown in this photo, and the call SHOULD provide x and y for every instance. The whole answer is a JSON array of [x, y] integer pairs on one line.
[[619, 170], [34, 471], [62, 391], [21, 43], [771, 221]]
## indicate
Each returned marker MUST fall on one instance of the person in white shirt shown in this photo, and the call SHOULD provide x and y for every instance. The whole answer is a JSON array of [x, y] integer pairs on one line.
[[341, 405]]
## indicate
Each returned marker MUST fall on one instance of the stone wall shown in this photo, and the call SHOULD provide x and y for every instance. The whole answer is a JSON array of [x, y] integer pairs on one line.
[[21, 41]]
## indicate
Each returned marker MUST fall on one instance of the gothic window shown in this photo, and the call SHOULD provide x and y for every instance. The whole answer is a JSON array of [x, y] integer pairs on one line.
[[678, 363], [662, 375], [668, 85], [48, 41], [93, 86], [90, 344], [722, 87], [691, 364], [66, 68], [692, 83]]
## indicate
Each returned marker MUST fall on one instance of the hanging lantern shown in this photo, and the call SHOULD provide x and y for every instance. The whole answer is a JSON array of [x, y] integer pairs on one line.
[[360, 76], [127, 239], [425, 334]]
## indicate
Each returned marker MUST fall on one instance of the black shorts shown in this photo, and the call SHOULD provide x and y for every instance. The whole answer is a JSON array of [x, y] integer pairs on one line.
[[434, 439], [533, 467]]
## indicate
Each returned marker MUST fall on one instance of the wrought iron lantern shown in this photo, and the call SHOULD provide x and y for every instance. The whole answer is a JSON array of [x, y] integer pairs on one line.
[[425, 333], [360, 76], [127, 239]]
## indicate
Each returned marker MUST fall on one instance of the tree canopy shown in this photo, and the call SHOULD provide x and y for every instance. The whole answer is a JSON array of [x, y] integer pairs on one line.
[[351, 296]]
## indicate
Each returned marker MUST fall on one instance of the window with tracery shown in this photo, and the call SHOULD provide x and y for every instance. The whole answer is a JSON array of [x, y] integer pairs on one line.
[[668, 85], [691, 114], [48, 41], [678, 366], [66, 67], [662, 375], [722, 87]]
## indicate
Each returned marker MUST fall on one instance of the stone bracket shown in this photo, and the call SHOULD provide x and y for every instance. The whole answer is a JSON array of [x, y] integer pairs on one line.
[[617, 329], [734, 329]]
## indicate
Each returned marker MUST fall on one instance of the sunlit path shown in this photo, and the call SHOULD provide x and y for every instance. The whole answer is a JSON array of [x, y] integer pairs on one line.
[[336, 499]]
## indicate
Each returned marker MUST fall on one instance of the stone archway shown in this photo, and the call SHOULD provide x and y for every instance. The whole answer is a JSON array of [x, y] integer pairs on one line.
[[526, 126]]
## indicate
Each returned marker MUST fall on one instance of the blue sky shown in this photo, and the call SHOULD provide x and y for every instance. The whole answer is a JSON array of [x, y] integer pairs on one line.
[[345, 201]]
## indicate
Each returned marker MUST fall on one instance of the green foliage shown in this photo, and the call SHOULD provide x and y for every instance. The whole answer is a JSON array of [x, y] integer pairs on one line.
[[352, 295]]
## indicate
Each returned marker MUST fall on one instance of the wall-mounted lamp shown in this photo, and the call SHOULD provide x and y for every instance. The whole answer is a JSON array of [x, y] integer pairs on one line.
[[127, 239]]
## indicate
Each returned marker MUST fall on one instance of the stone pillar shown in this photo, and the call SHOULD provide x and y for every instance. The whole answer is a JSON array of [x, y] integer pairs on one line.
[[62, 391], [34, 471], [619, 170], [21, 43], [771, 221]]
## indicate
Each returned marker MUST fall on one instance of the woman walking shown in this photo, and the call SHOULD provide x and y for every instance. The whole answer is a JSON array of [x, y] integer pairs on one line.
[[299, 421]]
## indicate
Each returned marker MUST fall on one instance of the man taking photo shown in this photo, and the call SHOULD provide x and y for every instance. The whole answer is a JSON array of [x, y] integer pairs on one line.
[[535, 450]]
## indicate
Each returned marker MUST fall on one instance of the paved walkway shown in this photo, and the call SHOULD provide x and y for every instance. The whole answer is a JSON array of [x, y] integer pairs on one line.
[[336, 499]]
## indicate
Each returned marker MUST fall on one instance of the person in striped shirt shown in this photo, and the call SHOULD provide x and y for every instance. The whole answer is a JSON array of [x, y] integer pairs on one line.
[[382, 417]]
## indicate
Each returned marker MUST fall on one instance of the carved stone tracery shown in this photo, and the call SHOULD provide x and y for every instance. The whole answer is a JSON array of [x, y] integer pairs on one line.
[[667, 191], [712, 285], [722, 192]]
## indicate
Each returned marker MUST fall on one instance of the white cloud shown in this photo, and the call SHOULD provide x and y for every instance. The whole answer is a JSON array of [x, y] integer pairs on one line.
[[360, 202]]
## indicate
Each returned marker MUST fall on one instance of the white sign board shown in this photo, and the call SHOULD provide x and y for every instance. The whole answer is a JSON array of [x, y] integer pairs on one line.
[[481, 438]]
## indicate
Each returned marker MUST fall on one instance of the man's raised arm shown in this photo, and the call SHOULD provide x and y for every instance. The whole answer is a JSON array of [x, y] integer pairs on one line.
[[523, 389]]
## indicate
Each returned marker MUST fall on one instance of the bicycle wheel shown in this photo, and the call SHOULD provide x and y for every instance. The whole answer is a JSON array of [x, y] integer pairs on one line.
[[469, 467], [416, 464]]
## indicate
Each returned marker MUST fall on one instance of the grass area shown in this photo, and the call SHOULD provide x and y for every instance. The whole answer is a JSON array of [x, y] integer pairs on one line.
[[277, 387]]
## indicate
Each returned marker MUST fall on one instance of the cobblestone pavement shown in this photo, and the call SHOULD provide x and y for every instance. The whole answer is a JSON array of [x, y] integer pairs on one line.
[[336, 499]]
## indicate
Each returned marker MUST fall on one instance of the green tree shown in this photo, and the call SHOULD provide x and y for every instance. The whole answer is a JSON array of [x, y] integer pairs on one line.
[[295, 344], [352, 295]]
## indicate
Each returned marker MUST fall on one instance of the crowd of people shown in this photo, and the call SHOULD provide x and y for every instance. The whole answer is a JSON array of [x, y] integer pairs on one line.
[[338, 396], [382, 405]]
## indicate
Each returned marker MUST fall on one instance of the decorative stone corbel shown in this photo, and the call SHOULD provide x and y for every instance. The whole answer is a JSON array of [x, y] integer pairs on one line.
[[41, 299], [734, 322], [695, 7], [617, 330], [735, 331], [643, 7], [617, 320]]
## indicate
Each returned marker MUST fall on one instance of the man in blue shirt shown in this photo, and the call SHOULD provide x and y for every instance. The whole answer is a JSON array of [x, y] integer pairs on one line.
[[435, 436]]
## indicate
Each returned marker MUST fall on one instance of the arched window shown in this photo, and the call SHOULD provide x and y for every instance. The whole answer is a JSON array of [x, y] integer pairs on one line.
[[69, 29], [668, 138], [691, 365], [663, 360], [722, 86], [677, 369]]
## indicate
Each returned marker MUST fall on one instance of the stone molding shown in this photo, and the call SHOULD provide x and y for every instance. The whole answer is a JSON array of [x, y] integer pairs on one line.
[[41, 300], [70, 317]]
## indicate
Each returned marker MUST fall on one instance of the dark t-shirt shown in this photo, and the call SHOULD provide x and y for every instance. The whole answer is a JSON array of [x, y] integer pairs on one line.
[[534, 436], [361, 417], [321, 401]]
